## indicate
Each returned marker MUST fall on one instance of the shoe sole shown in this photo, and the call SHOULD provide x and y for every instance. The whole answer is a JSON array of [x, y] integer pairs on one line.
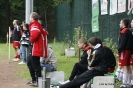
[[35, 85]]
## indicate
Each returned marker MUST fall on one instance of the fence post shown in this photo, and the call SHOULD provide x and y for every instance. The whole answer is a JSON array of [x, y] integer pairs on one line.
[[79, 36], [47, 83], [40, 85]]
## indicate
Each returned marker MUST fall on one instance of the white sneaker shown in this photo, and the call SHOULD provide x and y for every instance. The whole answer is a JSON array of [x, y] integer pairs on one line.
[[64, 82], [16, 59], [123, 86], [22, 63], [54, 86]]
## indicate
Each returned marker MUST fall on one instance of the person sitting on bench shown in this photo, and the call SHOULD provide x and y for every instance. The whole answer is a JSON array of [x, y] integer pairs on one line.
[[111, 63], [98, 66], [82, 65], [51, 62]]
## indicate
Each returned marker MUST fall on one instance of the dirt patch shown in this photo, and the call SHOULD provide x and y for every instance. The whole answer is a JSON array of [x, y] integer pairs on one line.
[[8, 77]]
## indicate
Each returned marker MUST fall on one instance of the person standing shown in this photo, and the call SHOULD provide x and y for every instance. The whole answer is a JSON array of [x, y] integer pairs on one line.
[[16, 36], [24, 43], [124, 51], [131, 59], [39, 47]]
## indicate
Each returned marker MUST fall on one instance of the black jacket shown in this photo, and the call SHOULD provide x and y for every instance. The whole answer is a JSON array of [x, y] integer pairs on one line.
[[111, 58], [125, 41], [16, 36], [131, 29], [100, 59], [84, 56]]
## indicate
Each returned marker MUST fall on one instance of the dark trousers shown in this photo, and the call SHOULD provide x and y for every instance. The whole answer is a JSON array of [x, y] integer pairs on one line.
[[33, 63], [31, 70], [83, 78], [77, 70]]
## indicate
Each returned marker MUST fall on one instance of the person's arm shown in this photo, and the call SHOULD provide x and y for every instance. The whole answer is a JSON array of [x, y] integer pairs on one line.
[[50, 51], [122, 42], [34, 34], [89, 52], [84, 58], [95, 59]]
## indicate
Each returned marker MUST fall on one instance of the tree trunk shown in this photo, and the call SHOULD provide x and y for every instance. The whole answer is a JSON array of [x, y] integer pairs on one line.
[[7, 14], [45, 17]]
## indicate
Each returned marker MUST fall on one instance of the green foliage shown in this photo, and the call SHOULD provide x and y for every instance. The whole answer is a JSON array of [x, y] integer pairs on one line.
[[2, 40], [109, 43], [58, 2], [15, 9], [78, 32], [43, 3], [67, 43], [16, 4], [60, 47]]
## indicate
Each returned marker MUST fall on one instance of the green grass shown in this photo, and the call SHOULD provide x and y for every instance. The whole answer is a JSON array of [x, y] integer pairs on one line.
[[64, 64], [4, 52]]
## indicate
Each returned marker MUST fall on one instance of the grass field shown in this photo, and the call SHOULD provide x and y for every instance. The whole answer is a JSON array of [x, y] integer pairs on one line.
[[64, 64]]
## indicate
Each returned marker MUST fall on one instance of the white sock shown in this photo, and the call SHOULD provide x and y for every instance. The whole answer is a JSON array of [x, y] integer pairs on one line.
[[117, 73], [120, 75], [57, 87], [125, 77], [132, 81], [129, 78]]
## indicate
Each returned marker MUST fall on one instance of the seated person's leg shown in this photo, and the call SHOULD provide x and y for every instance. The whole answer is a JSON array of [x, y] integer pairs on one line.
[[83, 78], [77, 70], [49, 67]]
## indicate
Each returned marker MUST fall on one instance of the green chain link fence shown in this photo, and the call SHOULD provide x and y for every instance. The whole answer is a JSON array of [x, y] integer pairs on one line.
[[78, 14]]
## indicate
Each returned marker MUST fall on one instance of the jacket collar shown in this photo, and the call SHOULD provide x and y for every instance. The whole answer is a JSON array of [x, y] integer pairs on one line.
[[124, 30], [86, 48]]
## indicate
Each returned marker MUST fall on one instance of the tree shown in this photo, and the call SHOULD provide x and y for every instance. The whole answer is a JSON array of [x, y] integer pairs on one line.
[[15, 9], [57, 2]]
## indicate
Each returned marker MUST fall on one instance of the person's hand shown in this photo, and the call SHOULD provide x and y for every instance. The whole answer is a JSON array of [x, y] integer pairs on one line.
[[89, 52], [132, 56], [90, 68], [117, 55]]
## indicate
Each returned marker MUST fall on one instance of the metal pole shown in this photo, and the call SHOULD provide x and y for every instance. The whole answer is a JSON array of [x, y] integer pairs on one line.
[[9, 46], [44, 77], [29, 9], [31, 6]]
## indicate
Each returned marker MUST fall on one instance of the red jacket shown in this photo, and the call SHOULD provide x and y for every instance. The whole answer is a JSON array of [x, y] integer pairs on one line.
[[38, 37]]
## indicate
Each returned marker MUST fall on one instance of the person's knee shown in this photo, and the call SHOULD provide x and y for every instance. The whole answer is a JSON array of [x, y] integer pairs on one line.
[[77, 64]]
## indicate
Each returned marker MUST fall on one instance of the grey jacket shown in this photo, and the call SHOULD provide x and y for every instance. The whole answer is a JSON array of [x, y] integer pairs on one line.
[[51, 58]]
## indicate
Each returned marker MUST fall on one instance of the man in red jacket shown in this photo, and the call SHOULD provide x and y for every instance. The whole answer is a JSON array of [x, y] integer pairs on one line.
[[38, 41]]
